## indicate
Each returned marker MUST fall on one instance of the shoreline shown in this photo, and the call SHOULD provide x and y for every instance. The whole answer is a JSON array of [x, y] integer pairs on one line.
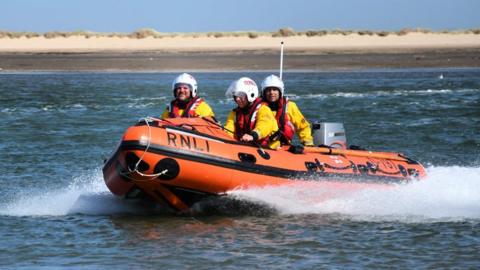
[[318, 53], [155, 61]]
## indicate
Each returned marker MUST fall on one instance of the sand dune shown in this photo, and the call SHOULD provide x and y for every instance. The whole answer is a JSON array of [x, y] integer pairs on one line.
[[208, 44]]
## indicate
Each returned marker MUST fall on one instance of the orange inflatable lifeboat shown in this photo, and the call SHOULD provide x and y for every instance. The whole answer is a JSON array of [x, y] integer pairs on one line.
[[179, 162]]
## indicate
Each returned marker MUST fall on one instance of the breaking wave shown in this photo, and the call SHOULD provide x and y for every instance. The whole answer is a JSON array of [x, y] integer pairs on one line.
[[381, 93]]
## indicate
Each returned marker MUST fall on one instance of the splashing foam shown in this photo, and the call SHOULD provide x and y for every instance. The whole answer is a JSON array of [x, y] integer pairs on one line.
[[86, 195], [398, 92], [447, 193]]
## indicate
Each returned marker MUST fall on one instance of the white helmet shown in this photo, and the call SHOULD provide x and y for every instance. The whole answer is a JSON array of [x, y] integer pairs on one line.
[[187, 79], [243, 85], [273, 81]]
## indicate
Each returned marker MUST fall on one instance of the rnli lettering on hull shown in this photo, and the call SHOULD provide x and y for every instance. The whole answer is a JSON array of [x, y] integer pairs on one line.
[[189, 141]]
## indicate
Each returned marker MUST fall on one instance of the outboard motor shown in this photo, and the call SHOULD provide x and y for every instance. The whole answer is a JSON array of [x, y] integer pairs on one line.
[[329, 134]]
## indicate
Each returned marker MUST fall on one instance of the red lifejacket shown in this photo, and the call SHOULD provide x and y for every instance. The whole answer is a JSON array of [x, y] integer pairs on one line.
[[245, 120], [287, 130], [189, 108]]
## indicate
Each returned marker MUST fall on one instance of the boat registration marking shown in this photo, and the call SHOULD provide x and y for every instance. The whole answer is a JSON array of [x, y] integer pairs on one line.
[[192, 135]]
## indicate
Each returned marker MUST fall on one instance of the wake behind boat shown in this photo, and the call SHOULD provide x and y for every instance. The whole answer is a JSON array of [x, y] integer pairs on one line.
[[179, 162]]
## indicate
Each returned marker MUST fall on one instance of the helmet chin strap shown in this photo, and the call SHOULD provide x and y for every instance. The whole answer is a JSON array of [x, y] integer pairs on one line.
[[185, 101]]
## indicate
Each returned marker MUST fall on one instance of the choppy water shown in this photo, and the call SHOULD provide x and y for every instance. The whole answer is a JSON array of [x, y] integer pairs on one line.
[[55, 211]]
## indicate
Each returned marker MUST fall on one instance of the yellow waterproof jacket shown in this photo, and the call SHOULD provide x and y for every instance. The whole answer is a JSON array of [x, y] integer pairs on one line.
[[265, 125], [301, 125], [203, 110]]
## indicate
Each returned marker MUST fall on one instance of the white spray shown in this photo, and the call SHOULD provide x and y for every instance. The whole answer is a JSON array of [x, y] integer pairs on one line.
[[446, 193]]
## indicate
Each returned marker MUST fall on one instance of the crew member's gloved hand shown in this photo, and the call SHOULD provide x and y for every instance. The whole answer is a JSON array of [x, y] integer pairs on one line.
[[310, 143]]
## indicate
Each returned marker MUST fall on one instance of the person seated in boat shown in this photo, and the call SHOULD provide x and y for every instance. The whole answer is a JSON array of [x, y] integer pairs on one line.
[[289, 118], [252, 120], [187, 103]]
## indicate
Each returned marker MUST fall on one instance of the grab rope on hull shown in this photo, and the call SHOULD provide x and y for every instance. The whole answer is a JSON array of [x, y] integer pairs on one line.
[[135, 170]]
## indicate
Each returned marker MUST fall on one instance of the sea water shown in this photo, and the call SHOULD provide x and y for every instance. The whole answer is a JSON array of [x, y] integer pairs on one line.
[[55, 211]]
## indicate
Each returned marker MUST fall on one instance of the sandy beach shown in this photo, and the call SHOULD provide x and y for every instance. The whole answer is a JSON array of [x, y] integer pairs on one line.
[[329, 52]]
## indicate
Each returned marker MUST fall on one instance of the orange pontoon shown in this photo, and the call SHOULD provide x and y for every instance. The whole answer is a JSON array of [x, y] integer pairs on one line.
[[179, 162]]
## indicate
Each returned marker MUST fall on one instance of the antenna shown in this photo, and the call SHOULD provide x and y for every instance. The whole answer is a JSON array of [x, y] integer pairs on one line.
[[281, 59]]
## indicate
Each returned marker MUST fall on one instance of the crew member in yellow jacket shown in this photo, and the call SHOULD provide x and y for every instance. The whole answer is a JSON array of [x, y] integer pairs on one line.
[[187, 103], [252, 120], [289, 118]]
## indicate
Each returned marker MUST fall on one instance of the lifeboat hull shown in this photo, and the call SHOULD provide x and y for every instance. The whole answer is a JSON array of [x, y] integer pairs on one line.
[[179, 162]]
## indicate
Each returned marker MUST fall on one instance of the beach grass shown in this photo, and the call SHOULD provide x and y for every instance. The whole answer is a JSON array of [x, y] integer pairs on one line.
[[282, 32]]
